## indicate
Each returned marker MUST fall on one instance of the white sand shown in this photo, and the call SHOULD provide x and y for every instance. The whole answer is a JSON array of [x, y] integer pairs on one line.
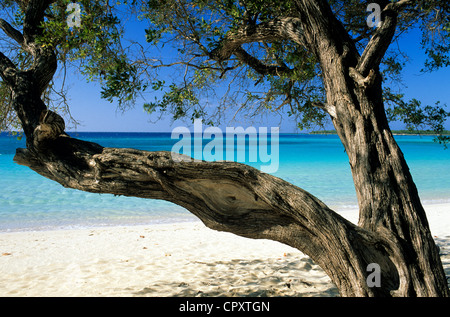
[[184, 259]]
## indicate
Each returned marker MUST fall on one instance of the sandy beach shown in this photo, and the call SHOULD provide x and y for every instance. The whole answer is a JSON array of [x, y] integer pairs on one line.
[[182, 259]]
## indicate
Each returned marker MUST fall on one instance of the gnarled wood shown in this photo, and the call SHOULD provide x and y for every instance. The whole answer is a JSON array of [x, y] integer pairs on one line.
[[226, 196], [387, 196]]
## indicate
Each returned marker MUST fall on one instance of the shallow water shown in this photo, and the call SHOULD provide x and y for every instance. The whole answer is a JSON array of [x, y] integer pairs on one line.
[[316, 163]]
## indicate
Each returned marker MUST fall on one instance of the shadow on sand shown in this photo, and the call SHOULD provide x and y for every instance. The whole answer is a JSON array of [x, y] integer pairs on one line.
[[289, 276]]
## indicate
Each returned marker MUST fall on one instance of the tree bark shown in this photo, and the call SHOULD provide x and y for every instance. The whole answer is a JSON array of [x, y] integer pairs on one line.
[[387, 196], [393, 231], [228, 197]]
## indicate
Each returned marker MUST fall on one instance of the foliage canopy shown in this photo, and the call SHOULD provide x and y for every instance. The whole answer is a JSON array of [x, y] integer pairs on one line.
[[188, 38]]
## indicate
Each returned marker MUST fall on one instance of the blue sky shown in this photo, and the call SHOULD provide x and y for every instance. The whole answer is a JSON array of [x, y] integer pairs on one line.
[[96, 114]]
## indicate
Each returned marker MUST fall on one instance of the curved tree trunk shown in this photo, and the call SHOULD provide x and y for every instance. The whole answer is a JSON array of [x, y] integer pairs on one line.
[[393, 232], [228, 197]]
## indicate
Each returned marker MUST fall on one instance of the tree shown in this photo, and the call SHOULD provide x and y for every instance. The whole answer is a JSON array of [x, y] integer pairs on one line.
[[291, 48]]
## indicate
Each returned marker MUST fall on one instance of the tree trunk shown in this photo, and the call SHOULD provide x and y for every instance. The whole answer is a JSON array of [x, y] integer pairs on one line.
[[393, 232], [388, 199], [227, 197]]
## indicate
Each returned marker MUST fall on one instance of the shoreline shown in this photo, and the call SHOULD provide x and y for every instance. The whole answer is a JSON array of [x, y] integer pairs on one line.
[[350, 212], [165, 260]]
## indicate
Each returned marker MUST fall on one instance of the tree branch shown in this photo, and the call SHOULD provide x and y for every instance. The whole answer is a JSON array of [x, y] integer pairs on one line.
[[330, 109], [258, 66], [219, 193], [399, 5], [283, 28], [7, 70], [226, 196], [11, 32], [34, 15], [45, 61], [364, 82], [381, 40]]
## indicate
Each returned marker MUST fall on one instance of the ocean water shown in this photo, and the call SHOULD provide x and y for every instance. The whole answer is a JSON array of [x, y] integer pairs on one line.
[[316, 163]]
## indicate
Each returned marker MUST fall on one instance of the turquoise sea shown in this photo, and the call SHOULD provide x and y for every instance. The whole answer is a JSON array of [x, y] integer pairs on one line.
[[316, 163]]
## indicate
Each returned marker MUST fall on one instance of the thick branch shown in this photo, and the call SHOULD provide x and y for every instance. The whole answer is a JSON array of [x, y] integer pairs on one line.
[[45, 62], [380, 41], [11, 32], [44, 68], [363, 82], [34, 15], [399, 5], [278, 29], [7, 70], [283, 28], [259, 66], [226, 196]]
